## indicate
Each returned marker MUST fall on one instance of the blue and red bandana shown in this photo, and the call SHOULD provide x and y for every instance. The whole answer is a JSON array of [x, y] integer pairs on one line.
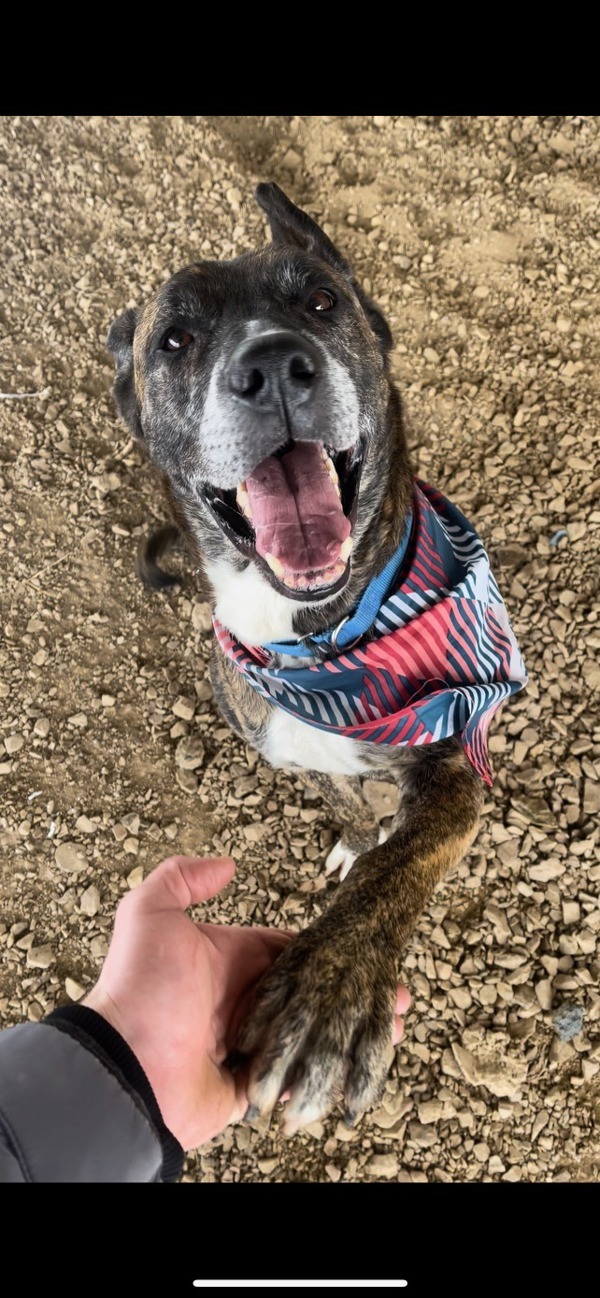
[[443, 657]]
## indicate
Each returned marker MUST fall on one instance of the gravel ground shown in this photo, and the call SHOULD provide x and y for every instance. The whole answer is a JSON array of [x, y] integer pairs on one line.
[[480, 238]]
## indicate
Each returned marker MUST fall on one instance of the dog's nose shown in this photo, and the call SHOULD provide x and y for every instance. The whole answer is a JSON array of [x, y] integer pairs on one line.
[[274, 368]]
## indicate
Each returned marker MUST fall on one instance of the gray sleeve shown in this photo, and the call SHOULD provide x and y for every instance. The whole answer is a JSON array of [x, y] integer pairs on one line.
[[65, 1117]]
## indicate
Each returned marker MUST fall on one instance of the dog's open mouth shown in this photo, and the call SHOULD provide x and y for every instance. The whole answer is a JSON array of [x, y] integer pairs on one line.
[[294, 516]]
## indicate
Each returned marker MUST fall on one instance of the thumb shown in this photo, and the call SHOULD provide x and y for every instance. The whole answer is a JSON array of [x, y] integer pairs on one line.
[[180, 881]]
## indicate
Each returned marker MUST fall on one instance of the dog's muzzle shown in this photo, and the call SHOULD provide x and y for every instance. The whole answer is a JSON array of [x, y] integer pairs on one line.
[[276, 369]]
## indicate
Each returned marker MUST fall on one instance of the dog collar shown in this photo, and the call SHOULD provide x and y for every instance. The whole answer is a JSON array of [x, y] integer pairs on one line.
[[441, 658]]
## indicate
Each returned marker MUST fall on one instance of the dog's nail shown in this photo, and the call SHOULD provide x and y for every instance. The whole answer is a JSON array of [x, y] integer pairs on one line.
[[252, 1113], [350, 1118]]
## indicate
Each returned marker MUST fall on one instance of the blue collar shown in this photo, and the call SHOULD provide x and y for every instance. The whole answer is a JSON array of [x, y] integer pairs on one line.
[[351, 629]]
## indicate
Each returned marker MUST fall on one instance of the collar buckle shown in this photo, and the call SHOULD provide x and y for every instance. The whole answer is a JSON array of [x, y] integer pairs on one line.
[[335, 634]]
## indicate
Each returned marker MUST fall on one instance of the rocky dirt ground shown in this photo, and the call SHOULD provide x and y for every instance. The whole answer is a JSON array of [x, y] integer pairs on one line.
[[480, 238]]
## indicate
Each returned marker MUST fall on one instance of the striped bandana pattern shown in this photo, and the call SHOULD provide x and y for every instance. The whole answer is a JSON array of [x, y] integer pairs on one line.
[[443, 656]]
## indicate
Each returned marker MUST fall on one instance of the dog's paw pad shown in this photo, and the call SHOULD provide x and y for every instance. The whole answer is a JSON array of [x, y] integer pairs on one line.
[[340, 858]]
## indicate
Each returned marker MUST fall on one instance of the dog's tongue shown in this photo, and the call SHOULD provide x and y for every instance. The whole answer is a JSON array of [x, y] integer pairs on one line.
[[297, 514]]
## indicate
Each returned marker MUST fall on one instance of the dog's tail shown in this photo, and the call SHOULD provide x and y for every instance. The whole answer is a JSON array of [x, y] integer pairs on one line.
[[151, 548]]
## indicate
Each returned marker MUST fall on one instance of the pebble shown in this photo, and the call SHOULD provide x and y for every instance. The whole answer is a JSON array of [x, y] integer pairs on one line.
[[73, 989], [382, 796], [568, 1021], [70, 857], [90, 900], [202, 617], [189, 753], [430, 1111], [14, 743], [41, 727], [186, 780], [382, 1165], [255, 833], [85, 825], [184, 708], [40, 957]]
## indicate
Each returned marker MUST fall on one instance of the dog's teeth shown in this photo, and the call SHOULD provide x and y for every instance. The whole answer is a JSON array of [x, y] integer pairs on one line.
[[331, 469], [243, 500], [275, 565], [346, 548]]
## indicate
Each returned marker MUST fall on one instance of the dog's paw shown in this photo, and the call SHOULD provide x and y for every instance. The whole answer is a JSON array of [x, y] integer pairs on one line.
[[340, 856], [321, 1026]]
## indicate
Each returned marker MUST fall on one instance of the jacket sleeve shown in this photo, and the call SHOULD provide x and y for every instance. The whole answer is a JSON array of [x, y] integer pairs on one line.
[[76, 1105]]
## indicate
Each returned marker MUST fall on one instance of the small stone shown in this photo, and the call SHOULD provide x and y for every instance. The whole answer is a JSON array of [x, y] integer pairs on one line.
[[90, 900], [568, 1021], [544, 871], [99, 947], [13, 743], [189, 753], [495, 1166], [430, 1111], [131, 846], [204, 690], [481, 291], [571, 912], [254, 833], [40, 957], [385, 1165], [333, 1172], [85, 825], [184, 708], [481, 1152], [73, 990], [69, 856], [382, 797], [108, 700], [41, 727], [421, 1136], [543, 991], [267, 1165], [431, 355], [131, 822], [79, 719], [186, 780], [513, 1174], [119, 832], [135, 877], [202, 617]]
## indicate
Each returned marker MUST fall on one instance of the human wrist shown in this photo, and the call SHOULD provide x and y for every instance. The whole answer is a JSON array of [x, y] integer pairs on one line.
[[94, 1031]]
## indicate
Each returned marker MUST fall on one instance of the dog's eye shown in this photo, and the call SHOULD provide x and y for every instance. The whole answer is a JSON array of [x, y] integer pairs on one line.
[[321, 300], [175, 340]]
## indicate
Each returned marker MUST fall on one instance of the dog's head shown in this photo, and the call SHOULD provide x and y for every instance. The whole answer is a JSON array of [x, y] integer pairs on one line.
[[260, 388]]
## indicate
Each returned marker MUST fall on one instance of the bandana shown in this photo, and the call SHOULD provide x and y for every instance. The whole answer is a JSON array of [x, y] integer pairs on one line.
[[442, 659]]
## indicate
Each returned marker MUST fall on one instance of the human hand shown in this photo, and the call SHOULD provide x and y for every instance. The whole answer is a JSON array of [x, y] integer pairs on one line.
[[177, 991]]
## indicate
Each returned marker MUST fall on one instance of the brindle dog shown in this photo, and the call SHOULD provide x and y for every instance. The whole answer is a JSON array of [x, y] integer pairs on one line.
[[229, 364]]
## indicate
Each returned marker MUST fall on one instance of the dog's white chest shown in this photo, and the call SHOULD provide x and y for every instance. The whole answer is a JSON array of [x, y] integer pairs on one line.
[[290, 742]]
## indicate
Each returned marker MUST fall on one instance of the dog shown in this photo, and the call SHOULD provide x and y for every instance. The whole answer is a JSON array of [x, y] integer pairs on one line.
[[359, 630]]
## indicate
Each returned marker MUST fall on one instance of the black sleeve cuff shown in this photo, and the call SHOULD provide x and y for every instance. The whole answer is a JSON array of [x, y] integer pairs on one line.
[[98, 1035]]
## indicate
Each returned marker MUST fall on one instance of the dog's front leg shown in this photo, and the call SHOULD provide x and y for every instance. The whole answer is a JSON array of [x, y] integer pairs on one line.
[[321, 1022], [360, 827]]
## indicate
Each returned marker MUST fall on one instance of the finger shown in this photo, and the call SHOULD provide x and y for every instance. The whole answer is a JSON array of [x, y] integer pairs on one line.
[[403, 1000], [180, 881]]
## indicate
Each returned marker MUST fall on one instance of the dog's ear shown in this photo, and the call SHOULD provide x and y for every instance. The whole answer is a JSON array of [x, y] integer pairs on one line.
[[120, 344], [291, 226]]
